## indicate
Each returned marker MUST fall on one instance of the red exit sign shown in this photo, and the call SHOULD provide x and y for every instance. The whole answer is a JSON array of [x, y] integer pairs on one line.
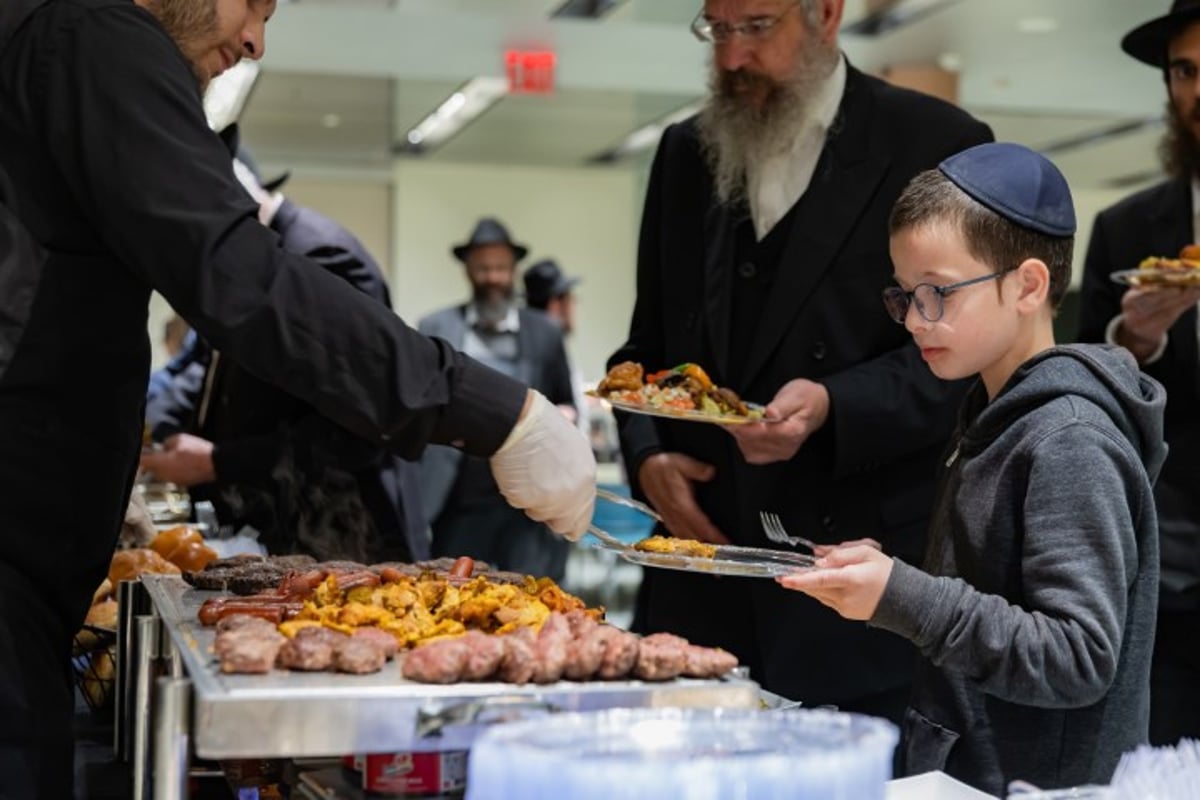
[[530, 71]]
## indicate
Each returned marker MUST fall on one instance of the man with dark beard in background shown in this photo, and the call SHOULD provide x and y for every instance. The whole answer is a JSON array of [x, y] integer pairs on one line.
[[1159, 326], [466, 512], [111, 185], [764, 248]]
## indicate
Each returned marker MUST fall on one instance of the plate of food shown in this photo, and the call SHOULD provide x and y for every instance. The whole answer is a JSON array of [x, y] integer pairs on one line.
[[1157, 271], [684, 392], [689, 555]]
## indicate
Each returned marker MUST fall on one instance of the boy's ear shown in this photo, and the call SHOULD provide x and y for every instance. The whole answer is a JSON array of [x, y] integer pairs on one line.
[[1033, 277]]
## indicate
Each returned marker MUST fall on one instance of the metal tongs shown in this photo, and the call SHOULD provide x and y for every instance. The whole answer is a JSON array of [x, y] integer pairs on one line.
[[606, 537]]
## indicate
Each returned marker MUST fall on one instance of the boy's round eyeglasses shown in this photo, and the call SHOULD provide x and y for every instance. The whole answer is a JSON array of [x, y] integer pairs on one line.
[[706, 30], [929, 299]]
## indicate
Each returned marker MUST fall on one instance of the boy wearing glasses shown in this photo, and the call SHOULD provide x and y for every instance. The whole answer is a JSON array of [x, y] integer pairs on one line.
[[1034, 611]]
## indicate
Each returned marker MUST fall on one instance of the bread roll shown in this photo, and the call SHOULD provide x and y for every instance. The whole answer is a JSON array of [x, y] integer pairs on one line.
[[97, 681], [103, 615], [128, 565]]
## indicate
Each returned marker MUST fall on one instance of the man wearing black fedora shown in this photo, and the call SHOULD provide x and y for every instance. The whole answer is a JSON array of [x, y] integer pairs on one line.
[[1159, 326], [465, 509]]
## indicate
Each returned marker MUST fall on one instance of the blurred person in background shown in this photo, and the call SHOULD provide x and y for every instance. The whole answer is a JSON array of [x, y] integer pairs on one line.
[[180, 344], [548, 290], [1159, 326], [764, 246], [467, 514], [265, 458], [112, 185]]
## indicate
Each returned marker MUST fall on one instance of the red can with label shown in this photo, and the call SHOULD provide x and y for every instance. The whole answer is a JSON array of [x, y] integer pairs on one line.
[[353, 762], [415, 774]]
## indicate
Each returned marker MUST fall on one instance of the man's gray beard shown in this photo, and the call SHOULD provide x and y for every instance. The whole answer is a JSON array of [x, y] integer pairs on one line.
[[492, 312], [186, 22], [735, 134]]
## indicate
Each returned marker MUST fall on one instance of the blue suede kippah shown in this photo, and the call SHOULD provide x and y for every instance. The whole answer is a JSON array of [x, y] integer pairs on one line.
[[1018, 184]]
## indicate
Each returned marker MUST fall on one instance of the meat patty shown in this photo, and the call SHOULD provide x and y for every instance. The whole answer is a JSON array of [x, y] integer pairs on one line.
[[306, 653], [382, 639], [587, 649], [550, 651], [359, 655], [707, 662], [244, 652], [484, 655], [620, 656], [661, 657], [436, 662], [519, 661]]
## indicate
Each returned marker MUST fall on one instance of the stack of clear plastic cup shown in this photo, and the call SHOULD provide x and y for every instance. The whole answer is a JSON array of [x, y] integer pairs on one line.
[[685, 754]]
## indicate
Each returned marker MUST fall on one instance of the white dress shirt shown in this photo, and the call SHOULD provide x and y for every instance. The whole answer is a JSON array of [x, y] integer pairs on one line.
[[776, 183]]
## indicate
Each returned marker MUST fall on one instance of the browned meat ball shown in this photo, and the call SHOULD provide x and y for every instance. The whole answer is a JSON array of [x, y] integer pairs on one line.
[[484, 656], [620, 656], [229, 639], [359, 655], [551, 648], [250, 654], [707, 662], [382, 639], [436, 662], [306, 653], [519, 661], [661, 656], [587, 650]]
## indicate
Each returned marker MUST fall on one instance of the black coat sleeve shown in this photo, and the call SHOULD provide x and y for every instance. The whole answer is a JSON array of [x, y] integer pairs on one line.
[[124, 122], [638, 433], [311, 441]]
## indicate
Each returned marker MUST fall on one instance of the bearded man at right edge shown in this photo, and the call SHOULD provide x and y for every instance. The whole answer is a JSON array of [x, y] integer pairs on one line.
[[1159, 326], [762, 256]]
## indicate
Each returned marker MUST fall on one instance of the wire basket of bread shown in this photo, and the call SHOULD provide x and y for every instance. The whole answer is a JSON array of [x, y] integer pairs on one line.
[[94, 651]]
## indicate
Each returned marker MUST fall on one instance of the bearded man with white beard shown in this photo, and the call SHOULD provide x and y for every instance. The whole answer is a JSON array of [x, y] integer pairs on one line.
[[111, 185], [1159, 326], [762, 256]]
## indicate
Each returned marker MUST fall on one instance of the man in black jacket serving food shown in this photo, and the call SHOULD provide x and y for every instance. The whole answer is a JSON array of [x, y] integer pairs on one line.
[[112, 184]]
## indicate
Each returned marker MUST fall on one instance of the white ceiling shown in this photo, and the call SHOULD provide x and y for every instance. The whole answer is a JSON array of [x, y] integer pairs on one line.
[[378, 66]]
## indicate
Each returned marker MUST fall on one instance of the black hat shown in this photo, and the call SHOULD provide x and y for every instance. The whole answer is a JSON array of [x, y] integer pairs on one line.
[[1018, 184], [545, 281], [488, 231], [231, 136], [1148, 42]]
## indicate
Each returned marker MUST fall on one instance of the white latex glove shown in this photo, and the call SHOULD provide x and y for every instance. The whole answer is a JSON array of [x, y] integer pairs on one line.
[[546, 468]]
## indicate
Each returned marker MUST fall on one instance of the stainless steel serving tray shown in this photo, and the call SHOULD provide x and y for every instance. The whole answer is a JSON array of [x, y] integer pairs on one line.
[[292, 714]]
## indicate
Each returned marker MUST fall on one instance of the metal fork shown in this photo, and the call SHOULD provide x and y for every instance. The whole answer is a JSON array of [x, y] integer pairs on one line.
[[773, 528]]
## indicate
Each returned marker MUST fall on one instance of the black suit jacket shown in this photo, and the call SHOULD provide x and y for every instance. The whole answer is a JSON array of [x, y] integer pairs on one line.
[[1157, 221], [304, 481], [870, 470]]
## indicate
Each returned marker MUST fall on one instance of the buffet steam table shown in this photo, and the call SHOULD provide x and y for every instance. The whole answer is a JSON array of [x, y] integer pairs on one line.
[[174, 701]]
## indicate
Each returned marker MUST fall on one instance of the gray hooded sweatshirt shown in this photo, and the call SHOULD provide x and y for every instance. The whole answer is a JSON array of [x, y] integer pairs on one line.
[[1034, 614]]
